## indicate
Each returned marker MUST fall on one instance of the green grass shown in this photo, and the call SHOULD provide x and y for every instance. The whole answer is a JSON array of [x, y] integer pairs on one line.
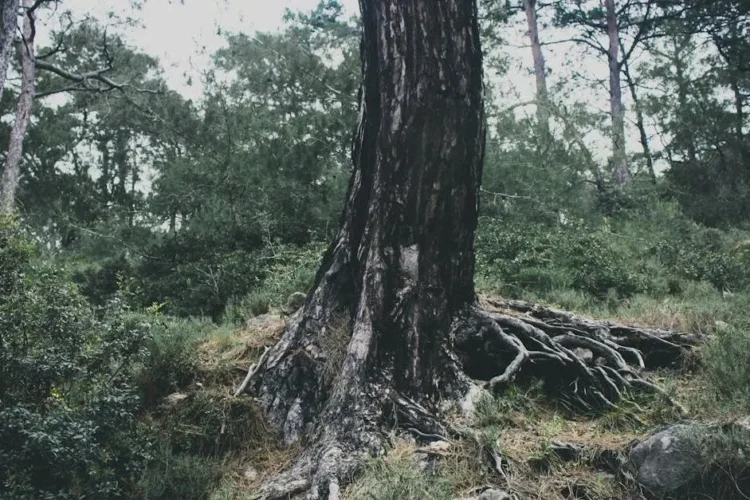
[[399, 479]]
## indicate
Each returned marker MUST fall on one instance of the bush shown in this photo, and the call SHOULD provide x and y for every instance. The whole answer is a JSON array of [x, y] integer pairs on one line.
[[514, 258], [194, 278], [705, 255], [171, 361], [183, 476], [727, 357], [67, 407], [99, 284]]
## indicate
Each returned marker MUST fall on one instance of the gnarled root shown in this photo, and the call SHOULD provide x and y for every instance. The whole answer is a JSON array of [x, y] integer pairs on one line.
[[591, 363]]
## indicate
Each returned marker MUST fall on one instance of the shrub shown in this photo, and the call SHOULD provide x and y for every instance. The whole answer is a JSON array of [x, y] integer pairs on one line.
[[727, 357], [171, 360], [67, 408], [99, 284], [183, 476]]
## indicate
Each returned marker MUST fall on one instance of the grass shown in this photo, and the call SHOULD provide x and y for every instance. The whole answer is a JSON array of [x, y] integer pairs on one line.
[[399, 477], [523, 423]]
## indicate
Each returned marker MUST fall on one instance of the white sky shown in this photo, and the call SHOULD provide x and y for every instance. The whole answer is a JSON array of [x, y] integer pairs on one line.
[[184, 33]]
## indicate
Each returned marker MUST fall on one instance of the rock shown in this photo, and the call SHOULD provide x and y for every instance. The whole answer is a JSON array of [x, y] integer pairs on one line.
[[721, 325], [585, 354], [493, 494], [264, 321], [665, 461], [743, 423], [567, 452], [251, 474], [295, 301], [174, 399], [438, 447]]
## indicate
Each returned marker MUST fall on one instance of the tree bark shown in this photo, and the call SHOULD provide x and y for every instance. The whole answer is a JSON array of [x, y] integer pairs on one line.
[[540, 71], [620, 170], [677, 59], [12, 170], [8, 24], [391, 333], [640, 122]]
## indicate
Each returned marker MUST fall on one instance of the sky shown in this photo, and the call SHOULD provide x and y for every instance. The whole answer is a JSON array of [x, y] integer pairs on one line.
[[183, 33]]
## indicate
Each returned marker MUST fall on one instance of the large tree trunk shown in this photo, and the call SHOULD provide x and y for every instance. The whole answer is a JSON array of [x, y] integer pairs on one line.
[[391, 332], [8, 23], [540, 71], [12, 170], [620, 171]]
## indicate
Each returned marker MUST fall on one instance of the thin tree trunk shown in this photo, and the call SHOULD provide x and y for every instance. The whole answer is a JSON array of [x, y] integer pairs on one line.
[[620, 171], [739, 108], [542, 96], [682, 95], [12, 171], [640, 122], [8, 24]]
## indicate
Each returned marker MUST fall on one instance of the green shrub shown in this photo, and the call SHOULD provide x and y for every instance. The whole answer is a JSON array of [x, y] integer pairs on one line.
[[99, 284], [701, 254], [171, 360], [183, 476], [68, 409], [727, 357], [251, 305], [212, 423]]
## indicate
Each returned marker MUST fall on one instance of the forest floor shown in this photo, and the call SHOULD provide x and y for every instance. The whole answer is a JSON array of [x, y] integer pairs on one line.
[[548, 452]]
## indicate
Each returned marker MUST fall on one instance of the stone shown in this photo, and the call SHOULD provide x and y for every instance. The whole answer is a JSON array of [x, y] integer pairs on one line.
[[251, 474], [586, 355], [439, 447], [666, 461], [493, 494], [721, 326], [175, 398], [295, 301]]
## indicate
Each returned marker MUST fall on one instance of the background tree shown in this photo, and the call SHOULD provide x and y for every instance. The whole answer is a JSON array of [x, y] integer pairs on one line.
[[11, 171], [8, 25]]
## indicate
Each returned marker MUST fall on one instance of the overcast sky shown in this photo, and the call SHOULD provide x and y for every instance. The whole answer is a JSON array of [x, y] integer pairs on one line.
[[183, 33]]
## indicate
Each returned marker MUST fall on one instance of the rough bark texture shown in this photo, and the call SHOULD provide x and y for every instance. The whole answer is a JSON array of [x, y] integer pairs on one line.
[[8, 23], [391, 333], [12, 170], [620, 171], [640, 121], [540, 71], [679, 62]]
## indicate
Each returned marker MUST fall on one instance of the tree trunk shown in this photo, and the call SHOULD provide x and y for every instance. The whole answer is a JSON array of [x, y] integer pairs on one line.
[[540, 72], [391, 332], [620, 171], [680, 42], [12, 171], [640, 122], [8, 24]]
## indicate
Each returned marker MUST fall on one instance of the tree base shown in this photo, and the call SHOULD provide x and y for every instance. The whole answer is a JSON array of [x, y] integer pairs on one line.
[[316, 385]]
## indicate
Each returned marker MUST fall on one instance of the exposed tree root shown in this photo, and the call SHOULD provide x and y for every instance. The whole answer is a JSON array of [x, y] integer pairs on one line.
[[590, 364]]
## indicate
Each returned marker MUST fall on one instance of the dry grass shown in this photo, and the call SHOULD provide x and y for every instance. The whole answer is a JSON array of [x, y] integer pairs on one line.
[[522, 423], [334, 341]]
